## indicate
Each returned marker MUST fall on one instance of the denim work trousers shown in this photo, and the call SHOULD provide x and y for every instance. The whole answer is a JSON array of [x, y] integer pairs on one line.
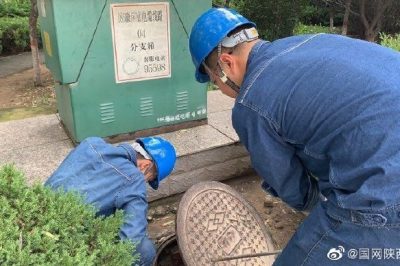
[[335, 236]]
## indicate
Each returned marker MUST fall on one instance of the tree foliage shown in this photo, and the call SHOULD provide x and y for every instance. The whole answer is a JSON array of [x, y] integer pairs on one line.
[[366, 17], [14, 30], [274, 18], [43, 227], [301, 28], [14, 34], [14, 8]]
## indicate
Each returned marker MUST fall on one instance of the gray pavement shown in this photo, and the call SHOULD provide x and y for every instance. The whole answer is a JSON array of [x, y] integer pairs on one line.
[[16, 63], [210, 152]]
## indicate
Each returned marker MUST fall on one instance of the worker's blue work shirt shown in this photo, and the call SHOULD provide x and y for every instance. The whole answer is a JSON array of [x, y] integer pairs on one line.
[[323, 106], [107, 177]]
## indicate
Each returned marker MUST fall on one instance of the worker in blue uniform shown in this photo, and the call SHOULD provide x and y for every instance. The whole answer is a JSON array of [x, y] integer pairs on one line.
[[114, 177], [320, 117]]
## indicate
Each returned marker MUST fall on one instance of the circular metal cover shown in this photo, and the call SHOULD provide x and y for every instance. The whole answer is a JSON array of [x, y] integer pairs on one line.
[[214, 221]]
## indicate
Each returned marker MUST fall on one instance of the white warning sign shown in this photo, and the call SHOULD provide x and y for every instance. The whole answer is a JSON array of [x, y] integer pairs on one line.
[[141, 41]]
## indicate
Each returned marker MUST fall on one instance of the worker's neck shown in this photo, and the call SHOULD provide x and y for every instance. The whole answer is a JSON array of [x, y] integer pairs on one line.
[[243, 57]]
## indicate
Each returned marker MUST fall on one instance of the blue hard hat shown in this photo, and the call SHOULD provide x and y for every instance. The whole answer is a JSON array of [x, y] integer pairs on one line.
[[208, 31], [163, 154]]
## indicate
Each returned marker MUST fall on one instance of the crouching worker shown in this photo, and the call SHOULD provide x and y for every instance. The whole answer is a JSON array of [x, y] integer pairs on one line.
[[114, 177]]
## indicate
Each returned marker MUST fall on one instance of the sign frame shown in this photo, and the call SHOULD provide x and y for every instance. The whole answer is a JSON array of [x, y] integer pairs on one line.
[[141, 41]]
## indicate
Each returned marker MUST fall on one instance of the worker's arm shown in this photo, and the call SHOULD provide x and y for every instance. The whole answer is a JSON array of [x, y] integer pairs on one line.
[[275, 160], [135, 222], [135, 229]]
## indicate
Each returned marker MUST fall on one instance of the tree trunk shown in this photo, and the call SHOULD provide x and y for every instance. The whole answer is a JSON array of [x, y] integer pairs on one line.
[[370, 35], [34, 43], [227, 2], [371, 29], [330, 18], [346, 17]]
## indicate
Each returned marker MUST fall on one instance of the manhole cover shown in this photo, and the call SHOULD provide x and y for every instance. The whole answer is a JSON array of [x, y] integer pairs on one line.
[[214, 221]]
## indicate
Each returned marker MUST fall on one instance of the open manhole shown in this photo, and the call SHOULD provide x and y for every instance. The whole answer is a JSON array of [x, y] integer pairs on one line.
[[214, 222], [168, 253]]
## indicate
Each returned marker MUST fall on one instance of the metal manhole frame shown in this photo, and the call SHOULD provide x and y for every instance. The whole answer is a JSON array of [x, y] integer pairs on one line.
[[186, 201]]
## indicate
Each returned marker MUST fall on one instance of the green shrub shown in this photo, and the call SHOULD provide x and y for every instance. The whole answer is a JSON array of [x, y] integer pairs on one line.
[[312, 29], [43, 227], [390, 41], [14, 8], [14, 36]]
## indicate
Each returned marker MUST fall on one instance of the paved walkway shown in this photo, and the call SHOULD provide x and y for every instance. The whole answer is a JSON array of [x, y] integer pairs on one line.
[[16, 63]]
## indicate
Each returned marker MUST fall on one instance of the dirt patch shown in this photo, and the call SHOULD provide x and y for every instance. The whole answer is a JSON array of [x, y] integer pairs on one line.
[[19, 98], [280, 220]]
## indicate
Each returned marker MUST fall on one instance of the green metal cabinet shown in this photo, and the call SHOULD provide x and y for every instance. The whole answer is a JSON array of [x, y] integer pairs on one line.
[[122, 67]]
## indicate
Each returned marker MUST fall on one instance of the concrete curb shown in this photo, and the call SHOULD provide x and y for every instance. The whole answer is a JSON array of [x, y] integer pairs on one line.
[[218, 164]]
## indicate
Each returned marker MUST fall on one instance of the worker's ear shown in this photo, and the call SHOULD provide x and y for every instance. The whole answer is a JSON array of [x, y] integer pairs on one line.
[[229, 64], [226, 60]]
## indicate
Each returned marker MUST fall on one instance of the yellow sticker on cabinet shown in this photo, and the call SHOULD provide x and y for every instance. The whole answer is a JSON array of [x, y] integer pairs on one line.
[[47, 44], [141, 41]]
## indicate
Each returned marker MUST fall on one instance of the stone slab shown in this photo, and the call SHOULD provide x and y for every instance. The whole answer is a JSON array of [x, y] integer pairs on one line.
[[178, 183], [30, 132], [197, 139], [187, 165], [37, 162], [222, 122], [217, 102], [207, 158]]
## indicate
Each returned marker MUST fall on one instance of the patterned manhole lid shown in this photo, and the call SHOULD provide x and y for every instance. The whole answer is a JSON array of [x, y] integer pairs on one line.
[[214, 221]]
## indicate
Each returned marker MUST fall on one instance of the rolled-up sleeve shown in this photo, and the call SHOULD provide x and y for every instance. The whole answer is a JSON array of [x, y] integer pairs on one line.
[[275, 160]]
